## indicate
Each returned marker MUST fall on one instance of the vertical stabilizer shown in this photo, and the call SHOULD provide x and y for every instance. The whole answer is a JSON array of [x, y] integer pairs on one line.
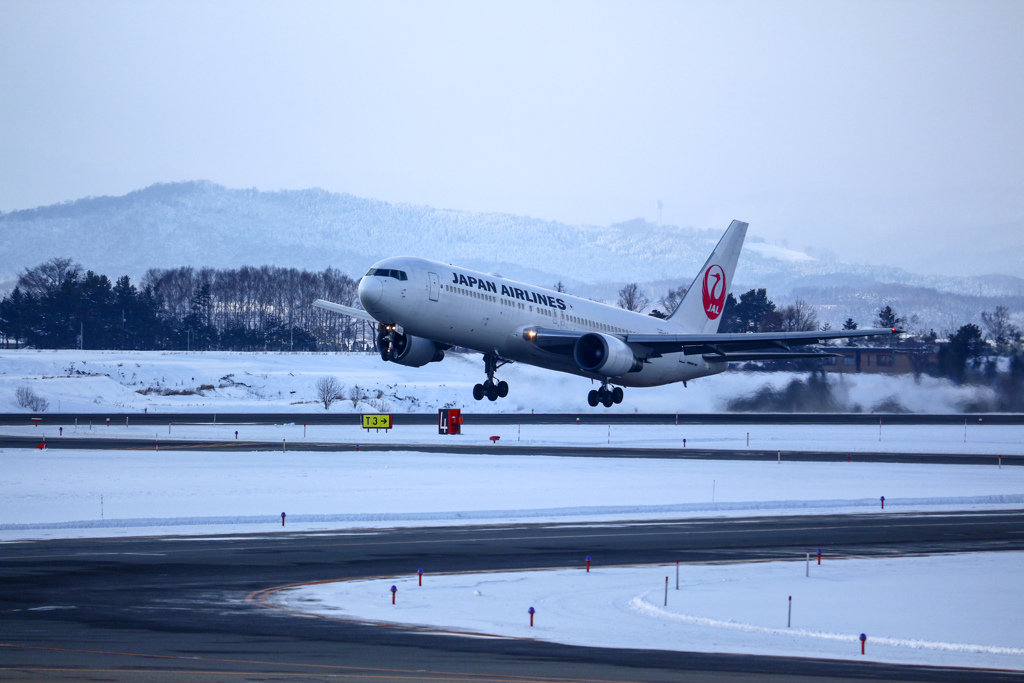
[[700, 311]]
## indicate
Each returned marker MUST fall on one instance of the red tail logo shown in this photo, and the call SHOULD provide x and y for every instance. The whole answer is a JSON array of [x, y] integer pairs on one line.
[[714, 291]]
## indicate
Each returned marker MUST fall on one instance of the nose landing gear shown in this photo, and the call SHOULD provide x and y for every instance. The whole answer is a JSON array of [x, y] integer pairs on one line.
[[385, 342], [491, 389], [605, 396]]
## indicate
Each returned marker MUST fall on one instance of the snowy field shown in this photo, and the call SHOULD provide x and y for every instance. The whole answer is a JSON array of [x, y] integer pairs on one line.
[[974, 438], [958, 610], [71, 493], [92, 381]]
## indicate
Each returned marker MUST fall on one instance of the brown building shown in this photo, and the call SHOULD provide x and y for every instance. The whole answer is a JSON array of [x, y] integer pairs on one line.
[[889, 360]]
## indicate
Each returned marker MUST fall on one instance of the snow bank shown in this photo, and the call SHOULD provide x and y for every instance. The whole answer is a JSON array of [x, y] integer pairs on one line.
[[937, 611], [60, 494], [90, 381]]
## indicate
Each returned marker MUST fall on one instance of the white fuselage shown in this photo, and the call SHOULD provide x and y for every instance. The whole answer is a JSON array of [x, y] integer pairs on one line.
[[490, 314]]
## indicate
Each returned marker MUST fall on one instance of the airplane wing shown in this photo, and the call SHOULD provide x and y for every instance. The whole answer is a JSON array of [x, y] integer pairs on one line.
[[344, 310], [714, 348]]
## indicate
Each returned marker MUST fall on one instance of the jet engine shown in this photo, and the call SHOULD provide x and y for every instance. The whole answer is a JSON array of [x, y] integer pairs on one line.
[[415, 351], [605, 355]]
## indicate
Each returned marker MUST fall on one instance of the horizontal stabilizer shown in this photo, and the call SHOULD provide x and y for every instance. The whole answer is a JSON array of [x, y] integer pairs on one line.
[[344, 310]]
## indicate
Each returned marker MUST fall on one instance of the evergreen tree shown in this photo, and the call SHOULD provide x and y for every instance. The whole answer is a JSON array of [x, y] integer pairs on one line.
[[965, 344], [754, 312], [888, 318]]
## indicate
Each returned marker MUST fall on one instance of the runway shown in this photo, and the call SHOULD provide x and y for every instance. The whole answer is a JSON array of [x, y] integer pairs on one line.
[[165, 445], [157, 609], [482, 418]]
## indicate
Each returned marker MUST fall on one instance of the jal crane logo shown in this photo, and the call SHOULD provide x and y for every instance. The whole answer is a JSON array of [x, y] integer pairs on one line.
[[714, 291]]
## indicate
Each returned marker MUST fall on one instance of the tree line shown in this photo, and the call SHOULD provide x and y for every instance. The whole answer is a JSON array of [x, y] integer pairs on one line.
[[56, 305], [968, 354]]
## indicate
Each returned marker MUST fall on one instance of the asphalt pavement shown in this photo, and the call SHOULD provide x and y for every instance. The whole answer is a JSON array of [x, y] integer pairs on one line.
[[158, 444], [166, 608], [598, 416]]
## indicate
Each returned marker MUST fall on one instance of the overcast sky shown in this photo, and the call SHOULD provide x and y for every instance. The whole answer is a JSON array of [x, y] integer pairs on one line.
[[888, 132]]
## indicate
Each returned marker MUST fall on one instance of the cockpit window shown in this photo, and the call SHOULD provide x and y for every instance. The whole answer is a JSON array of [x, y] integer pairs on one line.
[[388, 272]]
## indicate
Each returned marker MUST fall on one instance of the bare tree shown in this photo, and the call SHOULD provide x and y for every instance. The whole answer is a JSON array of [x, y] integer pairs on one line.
[[632, 298], [1000, 329], [48, 277], [27, 398], [670, 302], [798, 317], [329, 390]]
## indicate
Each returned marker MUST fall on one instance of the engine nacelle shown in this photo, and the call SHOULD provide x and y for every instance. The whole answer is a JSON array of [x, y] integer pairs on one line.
[[605, 355], [415, 351]]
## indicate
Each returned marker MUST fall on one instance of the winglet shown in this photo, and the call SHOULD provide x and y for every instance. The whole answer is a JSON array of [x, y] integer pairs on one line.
[[701, 309]]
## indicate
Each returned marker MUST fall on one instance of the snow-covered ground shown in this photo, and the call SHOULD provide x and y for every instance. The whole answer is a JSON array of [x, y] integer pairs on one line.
[[974, 438], [70, 493], [91, 381], [959, 610], [949, 610]]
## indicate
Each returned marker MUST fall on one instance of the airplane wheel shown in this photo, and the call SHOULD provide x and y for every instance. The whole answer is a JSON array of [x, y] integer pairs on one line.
[[478, 392], [608, 401], [492, 394], [592, 398], [617, 394], [502, 389]]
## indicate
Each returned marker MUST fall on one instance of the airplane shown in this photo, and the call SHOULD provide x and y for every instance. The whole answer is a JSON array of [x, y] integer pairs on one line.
[[423, 308]]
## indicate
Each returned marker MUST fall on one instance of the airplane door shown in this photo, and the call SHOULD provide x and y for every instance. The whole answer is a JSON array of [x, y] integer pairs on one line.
[[435, 286]]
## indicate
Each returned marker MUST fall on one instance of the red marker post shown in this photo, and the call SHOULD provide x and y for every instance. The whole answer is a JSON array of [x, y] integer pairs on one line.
[[394, 591], [420, 572], [819, 557], [883, 502], [588, 564], [863, 638], [282, 519], [531, 616]]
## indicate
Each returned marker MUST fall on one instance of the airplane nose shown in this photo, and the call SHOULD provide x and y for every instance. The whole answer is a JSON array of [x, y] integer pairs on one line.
[[370, 291]]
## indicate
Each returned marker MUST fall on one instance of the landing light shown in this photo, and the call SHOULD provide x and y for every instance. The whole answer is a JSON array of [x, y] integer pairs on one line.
[[531, 334]]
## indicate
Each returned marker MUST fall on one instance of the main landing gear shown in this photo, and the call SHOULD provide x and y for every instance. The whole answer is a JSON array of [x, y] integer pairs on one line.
[[605, 395], [491, 389]]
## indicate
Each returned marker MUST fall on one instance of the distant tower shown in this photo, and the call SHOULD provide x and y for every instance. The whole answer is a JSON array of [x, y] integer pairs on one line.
[[659, 212]]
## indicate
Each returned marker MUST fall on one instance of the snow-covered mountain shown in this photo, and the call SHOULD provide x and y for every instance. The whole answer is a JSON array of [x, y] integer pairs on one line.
[[204, 224]]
